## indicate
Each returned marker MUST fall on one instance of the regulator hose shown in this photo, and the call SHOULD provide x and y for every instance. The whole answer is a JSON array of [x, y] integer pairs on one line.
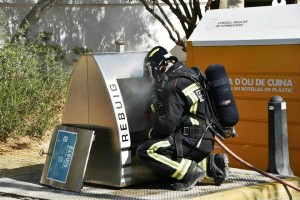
[[253, 167]]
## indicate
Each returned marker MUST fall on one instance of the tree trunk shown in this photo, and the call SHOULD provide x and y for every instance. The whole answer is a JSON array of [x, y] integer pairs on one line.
[[34, 15]]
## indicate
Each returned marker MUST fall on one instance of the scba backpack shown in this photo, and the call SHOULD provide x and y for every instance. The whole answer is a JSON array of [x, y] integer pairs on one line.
[[222, 112]]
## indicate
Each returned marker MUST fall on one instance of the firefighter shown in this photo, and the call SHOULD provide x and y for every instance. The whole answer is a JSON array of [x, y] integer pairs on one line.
[[180, 137]]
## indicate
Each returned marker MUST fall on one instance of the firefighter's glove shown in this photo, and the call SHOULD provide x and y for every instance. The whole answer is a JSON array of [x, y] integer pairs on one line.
[[153, 107], [155, 104]]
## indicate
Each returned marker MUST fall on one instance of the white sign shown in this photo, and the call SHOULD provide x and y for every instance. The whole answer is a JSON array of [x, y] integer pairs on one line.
[[120, 114], [261, 84], [266, 25]]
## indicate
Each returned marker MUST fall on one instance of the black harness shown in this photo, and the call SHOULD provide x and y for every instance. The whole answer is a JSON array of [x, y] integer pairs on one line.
[[212, 122], [198, 132]]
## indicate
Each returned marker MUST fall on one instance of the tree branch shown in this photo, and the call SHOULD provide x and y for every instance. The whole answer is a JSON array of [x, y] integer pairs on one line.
[[186, 9], [167, 25], [168, 21]]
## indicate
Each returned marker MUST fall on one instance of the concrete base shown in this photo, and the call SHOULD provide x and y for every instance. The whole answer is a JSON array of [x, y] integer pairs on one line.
[[242, 184]]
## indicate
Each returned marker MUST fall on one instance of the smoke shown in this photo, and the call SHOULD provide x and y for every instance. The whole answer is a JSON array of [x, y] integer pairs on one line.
[[127, 68], [135, 92]]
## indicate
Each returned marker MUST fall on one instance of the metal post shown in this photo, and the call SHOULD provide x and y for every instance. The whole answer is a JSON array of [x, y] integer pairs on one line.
[[120, 45], [278, 138]]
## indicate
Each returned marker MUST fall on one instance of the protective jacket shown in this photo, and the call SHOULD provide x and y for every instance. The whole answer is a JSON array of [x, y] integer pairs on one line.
[[183, 103]]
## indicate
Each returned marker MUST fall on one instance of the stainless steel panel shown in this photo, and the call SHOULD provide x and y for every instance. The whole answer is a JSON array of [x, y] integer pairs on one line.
[[121, 65], [104, 165], [109, 88], [65, 166]]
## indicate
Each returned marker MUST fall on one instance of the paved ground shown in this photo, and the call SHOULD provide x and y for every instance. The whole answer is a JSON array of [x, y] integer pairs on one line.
[[20, 173], [18, 163]]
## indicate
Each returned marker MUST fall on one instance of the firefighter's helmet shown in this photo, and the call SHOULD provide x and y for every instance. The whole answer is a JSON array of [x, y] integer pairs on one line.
[[155, 63]]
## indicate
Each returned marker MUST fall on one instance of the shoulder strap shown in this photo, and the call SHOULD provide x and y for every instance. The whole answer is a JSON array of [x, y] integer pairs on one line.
[[193, 77]]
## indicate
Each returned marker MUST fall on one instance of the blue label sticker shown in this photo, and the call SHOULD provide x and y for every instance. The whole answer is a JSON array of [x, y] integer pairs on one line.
[[62, 156]]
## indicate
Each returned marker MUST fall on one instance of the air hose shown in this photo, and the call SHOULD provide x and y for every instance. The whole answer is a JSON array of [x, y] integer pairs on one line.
[[253, 167]]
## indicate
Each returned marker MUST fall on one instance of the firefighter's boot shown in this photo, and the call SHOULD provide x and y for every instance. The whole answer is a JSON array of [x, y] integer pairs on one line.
[[217, 167], [192, 176]]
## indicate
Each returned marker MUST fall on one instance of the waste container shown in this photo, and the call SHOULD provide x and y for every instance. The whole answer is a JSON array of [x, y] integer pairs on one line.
[[107, 96], [260, 48]]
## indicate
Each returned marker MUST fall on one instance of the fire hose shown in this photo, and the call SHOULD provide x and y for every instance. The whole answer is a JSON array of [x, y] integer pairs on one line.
[[253, 167]]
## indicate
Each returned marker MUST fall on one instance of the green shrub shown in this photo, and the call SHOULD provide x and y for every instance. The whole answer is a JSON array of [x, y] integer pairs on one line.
[[33, 83]]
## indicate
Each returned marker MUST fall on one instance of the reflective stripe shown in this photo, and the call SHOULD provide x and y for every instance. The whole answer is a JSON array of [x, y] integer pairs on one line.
[[151, 152], [204, 161], [190, 92], [182, 169], [203, 164], [190, 88], [149, 134], [194, 107], [153, 52], [194, 121]]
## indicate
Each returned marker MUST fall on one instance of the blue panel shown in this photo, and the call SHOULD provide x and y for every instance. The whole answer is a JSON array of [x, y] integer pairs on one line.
[[62, 156]]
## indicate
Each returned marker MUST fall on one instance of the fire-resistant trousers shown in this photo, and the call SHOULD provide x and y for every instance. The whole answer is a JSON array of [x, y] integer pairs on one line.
[[161, 155]]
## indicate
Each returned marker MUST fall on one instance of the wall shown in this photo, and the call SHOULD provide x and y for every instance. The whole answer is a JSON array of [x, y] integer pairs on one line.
[[95, 24]]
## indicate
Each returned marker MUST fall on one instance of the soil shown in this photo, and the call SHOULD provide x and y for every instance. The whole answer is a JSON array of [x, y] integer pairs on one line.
[[23, 143]]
